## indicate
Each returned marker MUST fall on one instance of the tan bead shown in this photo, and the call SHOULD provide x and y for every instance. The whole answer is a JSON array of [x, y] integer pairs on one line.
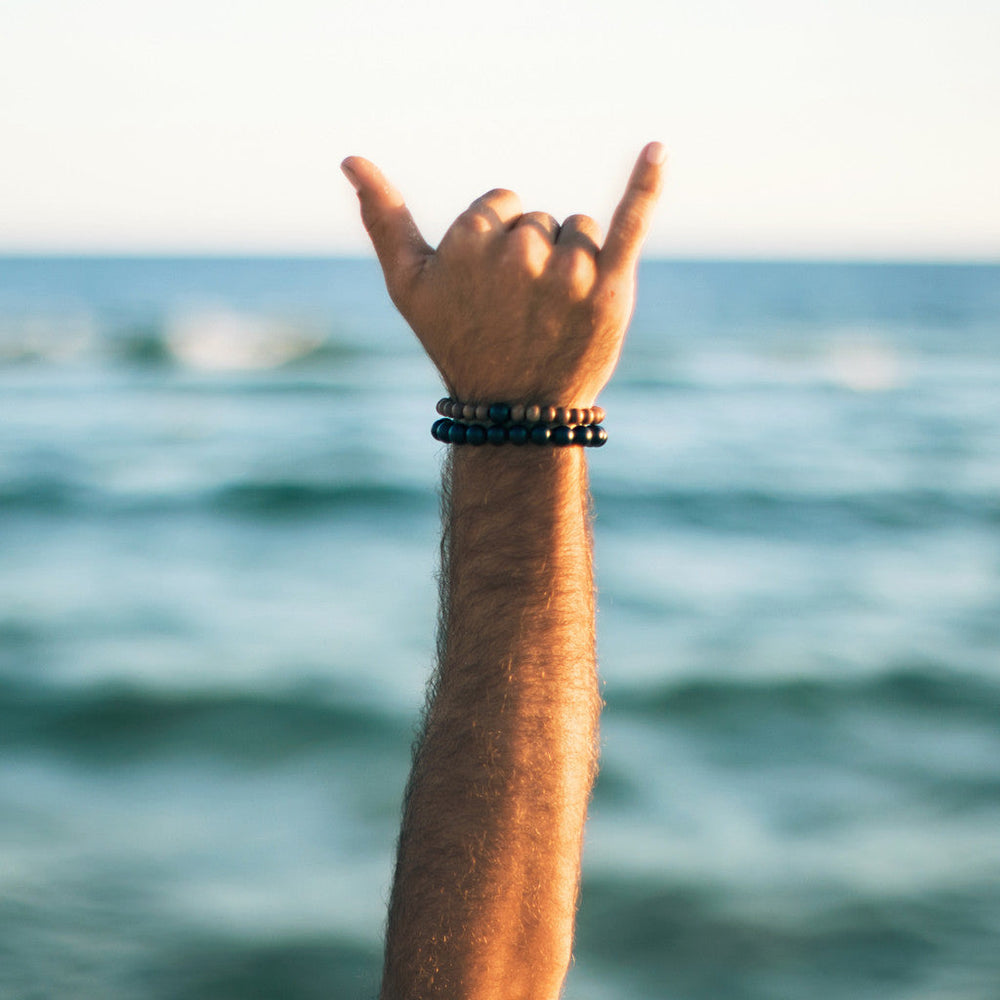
[[469, 411], [597, 415], [549, 414], [483, 412], [517, 413], [532, 414], [585, 416], [442, 406], [573, 417], [562, 415]]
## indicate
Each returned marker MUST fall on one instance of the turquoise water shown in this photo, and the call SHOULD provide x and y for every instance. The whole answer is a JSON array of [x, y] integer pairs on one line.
[[218, 529]]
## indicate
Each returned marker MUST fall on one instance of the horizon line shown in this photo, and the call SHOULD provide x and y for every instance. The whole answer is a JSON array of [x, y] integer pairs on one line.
[[980, 260]]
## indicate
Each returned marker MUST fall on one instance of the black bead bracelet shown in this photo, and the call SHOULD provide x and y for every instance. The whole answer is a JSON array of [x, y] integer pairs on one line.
[[450, 431]]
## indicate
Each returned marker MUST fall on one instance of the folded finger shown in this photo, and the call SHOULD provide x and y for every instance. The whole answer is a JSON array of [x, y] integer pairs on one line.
[[496, 210], [580, 231], [541, 221]]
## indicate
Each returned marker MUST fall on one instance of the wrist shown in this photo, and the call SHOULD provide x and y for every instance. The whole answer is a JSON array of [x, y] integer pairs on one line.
[[497, 423]]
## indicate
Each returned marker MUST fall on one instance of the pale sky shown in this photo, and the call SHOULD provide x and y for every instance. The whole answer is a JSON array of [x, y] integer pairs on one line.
[[840, 128]]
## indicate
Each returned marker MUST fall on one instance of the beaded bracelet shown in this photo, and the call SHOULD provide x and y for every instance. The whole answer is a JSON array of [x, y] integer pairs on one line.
[[450, 431], [506, 414]]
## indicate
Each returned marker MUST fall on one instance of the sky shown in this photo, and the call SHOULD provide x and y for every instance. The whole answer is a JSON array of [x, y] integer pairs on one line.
[[795, 127]]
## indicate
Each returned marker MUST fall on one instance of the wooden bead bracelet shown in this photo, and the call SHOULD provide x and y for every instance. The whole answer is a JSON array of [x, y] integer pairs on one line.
[[506, 414]]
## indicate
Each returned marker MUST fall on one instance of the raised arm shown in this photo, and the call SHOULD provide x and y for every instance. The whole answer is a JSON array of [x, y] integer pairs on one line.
[[510, 307]]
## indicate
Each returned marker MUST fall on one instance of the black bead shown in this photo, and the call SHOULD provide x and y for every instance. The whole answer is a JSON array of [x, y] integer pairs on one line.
[[540, 434], [600, 437], [439, 430], [517, 434], [583, 434], [456, 433], [475, 434], [496, 435], [499, 413], [562, 436]]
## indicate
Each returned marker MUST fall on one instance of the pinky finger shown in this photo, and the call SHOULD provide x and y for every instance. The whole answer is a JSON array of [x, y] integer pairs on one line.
[[632, 218]]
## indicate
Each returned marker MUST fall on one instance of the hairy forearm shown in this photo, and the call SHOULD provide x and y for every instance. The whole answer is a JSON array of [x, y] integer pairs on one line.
[[489, 858]]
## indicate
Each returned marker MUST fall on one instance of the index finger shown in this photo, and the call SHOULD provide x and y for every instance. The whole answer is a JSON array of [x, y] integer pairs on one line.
[[632, 217]]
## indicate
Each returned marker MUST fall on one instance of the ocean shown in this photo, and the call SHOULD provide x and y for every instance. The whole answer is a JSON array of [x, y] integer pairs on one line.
[[218, 541]]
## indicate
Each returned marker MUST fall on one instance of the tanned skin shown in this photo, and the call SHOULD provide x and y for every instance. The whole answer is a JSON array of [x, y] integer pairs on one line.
[[510, 307]]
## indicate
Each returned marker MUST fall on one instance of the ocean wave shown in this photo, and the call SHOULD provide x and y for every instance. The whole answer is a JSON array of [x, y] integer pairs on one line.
[[222, 341], [921, 689], [293, 497], [788, 513], [66, 496], [747, 511], [702, 940], [38, 495], [111, 723], [98, 942], [918, 731]]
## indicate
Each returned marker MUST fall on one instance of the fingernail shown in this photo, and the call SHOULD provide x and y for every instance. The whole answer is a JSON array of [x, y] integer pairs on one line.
[[656, 153], [351, 176]]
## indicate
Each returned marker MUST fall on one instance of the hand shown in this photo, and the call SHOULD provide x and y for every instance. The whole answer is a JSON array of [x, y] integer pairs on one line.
[[512, 307]]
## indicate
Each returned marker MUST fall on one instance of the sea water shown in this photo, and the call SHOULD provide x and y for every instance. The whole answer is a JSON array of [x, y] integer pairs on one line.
[[218, 541]]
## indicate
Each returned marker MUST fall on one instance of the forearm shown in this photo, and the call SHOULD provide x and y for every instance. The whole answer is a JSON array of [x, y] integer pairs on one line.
[[489, 858]]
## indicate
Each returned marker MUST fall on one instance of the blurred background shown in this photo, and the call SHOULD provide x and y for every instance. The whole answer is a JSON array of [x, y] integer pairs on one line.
[[218, 517]]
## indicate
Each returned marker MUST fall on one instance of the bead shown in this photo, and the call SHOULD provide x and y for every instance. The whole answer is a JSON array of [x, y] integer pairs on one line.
[[475, 434], [499, 413], [498, 423]]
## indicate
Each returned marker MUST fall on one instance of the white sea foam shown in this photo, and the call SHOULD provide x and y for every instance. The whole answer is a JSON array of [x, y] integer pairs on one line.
[[220, 339]]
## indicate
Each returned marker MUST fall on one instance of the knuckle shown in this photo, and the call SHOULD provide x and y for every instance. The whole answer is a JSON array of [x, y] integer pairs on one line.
[[526, 251], [540, 218], [498, 194], [576, 272], [582, 222], [473, 222]]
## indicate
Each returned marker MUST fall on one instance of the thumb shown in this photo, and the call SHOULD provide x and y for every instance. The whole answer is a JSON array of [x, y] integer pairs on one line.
[[400, 248]]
